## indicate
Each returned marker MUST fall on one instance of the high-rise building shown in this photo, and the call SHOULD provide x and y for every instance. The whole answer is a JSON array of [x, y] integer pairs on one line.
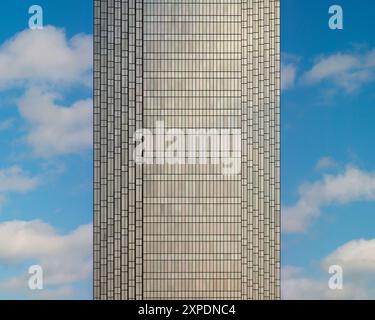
[[187, 149]]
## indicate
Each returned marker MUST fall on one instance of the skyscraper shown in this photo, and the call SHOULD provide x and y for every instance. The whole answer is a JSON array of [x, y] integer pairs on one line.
[[186, 149]]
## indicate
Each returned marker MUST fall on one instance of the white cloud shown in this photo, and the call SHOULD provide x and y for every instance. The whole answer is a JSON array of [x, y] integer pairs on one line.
[[59, 293], [18, 285], [15, 179], [356, 257], [288, 75], [65, 259], [54, 129], [48, 59], [348, 71], [357, 260], [325, 163], [295, 285], [46, 56], [351, 185]]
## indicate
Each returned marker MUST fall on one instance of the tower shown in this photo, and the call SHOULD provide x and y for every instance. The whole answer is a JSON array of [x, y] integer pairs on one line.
[[175, 222]]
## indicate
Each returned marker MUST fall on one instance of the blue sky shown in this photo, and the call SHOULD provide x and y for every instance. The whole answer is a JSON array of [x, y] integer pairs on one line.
[[328, 162], [46, 165]]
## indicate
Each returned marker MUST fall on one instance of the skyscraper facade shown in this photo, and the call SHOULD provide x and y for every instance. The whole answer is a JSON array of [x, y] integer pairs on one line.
[[186, 149]]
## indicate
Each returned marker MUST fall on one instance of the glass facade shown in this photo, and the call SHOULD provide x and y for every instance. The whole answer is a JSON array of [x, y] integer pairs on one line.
[[179, 228]]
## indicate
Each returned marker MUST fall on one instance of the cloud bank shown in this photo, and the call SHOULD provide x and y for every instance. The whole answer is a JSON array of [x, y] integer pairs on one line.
[[46, 56], [53, 129], [333, 189], [65, 258]]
